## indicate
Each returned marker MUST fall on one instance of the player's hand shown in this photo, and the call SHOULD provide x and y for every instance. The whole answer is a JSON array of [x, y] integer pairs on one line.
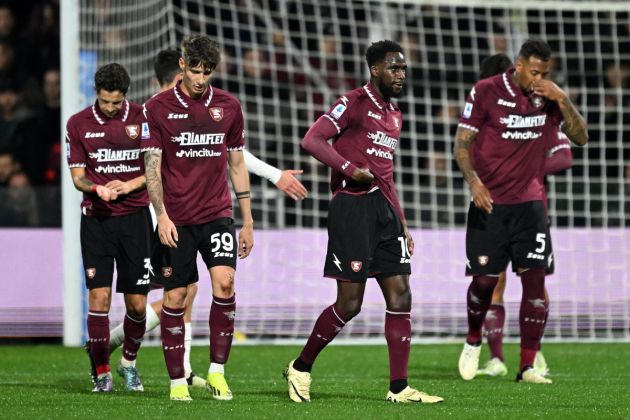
[[167, 231], [410, 244], [363, 176], [119, 187], [481, 196], [105, 193], [548, 89], [245, 241], [290, 185]]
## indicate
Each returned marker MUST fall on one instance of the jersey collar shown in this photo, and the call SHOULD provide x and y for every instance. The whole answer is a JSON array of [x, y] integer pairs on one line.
[[185, 100], [102, 118], [508, 82], [376, 98]]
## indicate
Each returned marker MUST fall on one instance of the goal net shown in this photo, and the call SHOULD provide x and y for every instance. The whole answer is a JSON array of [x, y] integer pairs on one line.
[[287, 61]]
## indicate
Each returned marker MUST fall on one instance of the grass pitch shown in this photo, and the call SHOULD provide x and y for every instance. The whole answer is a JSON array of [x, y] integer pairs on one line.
[[349, 382]]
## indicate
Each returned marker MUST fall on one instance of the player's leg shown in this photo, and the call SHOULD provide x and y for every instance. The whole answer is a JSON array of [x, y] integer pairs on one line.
[[493, 326], [191, 378], [218, 247], [330, 322], [351, 231], [98, 252], [117, 334], [530, 251], [540, 363], [135, 273], [486, 251], [221, 321], [178, 269], [397, 294]]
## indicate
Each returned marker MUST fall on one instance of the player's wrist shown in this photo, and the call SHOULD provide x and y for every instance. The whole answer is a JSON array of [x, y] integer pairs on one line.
[[349, 169], [93, 187]]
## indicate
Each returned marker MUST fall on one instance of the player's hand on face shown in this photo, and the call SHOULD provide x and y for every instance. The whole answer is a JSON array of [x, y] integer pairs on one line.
[[119, 187], [290, 185], [547, 89], [481, 196], [167, 231], [105, 193], [245, 241], [363, 175]]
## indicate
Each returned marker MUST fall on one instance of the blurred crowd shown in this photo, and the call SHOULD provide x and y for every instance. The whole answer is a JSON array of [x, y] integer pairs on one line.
[[30, 114]]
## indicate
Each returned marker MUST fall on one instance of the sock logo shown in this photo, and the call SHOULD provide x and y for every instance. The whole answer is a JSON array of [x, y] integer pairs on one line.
[[230, 315], [175, 330]]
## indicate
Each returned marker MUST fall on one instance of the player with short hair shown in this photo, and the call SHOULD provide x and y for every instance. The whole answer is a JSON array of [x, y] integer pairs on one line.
[[367, 230], [168, 74], [501, 147], [559, 158], [103, 153], [198, 134]]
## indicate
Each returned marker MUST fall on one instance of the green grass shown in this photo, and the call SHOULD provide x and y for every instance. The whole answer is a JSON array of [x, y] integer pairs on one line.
[[349, 382]]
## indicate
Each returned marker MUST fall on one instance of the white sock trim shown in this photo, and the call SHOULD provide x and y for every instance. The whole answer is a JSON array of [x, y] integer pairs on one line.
[[335, 312], [127, 363], [137, 321], [172, 314], [97, 314], [177, 382], [397, 313], [216, 368]]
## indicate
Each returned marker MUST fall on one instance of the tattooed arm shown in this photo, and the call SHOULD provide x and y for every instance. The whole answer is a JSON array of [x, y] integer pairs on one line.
[[153, 172], [83, 184], [480, 194], [574, 124]]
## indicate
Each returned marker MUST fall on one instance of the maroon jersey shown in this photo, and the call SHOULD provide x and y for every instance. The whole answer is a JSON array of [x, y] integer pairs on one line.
[[514, 132], [195, 136], [368, 132], [108, 149]]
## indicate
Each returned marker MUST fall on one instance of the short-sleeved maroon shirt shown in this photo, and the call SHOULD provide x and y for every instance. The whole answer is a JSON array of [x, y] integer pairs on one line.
[[108, 149], [514, 134], [195, 136]]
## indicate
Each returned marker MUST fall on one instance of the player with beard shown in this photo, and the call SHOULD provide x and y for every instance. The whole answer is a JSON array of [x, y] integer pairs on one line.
[[501, 147], [367, 231], [199, 133], [103, 153], [559, 158]]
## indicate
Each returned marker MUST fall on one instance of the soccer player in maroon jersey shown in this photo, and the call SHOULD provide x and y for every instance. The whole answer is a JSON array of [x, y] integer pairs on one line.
[[168, 74], [559, 158], [103, 153], [197, 133], [501, 146], [367, 231]]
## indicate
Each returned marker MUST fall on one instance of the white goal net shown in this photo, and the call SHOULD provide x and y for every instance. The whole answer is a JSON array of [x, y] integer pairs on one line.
[[287, 61]]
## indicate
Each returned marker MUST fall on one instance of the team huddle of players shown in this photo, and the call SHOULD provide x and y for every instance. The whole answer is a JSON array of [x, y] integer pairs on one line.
[[175, 150]]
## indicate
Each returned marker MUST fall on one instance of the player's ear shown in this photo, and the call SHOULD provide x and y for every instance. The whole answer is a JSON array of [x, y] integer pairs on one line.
[[182, 64], [374, 71]]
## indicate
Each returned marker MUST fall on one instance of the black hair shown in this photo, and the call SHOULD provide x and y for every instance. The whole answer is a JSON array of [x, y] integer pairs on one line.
[[378, 50], [166, 66], [493, 65], [112, 77], [537, 48], [201, 50]]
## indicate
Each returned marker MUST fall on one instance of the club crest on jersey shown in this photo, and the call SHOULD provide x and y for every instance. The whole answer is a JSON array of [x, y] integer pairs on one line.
[[356, 266], [167, 271], [216, 112], [483, 260], [132, 131], [90, 273]]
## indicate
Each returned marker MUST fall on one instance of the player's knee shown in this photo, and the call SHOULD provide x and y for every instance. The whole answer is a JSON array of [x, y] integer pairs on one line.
[[175, 298], [400, 302], [223, 285], [350, 308], [99, 299]]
